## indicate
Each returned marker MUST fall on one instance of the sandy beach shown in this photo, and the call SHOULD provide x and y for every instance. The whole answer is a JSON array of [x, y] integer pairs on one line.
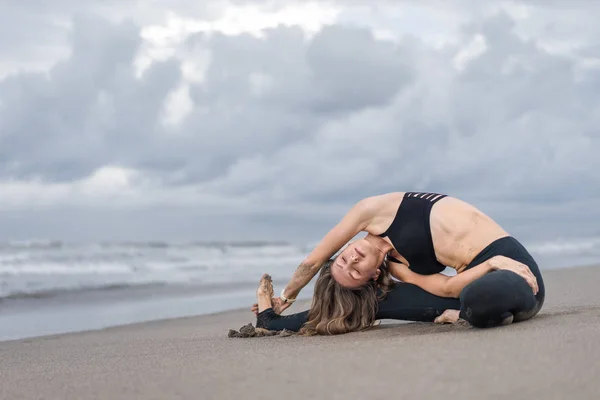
[[554, 356]]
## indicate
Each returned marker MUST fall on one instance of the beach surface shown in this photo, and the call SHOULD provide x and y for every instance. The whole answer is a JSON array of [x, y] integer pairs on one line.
[[554, 356]]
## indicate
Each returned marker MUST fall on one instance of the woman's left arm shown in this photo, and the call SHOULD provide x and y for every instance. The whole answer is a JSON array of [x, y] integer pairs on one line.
[[440, 284], [355, 221]]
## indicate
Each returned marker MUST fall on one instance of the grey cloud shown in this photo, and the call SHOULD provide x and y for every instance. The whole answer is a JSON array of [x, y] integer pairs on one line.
[[536, 115], [351, 70], [92, 111], [33, 31], [26, 35], [306, 85], [281, 120], [89, 111], [487, 133]]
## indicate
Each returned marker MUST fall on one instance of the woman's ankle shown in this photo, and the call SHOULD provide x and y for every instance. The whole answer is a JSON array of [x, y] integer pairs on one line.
[[265, 317]]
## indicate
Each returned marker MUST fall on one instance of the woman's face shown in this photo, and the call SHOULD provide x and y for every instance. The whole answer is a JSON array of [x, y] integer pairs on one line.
[[357, 264]]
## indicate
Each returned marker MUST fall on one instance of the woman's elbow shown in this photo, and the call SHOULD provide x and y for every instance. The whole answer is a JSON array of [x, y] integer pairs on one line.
[[451, 291], [312, 263]]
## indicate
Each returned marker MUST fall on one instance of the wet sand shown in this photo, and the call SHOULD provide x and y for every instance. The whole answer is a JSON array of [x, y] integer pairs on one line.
[[554, 356]]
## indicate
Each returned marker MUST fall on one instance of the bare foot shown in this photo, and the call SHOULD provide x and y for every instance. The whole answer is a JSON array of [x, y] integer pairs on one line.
[[265, 293], [448, 317]]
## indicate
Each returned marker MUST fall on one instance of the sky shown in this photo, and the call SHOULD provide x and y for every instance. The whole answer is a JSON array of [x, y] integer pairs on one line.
[[264, 120]]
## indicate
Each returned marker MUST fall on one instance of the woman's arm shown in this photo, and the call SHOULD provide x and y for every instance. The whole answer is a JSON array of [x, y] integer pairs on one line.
[[440, 284], [355, 221], [451, 286]]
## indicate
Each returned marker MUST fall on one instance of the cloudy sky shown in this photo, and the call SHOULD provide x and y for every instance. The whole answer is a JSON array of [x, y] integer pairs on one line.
[[180, 119]]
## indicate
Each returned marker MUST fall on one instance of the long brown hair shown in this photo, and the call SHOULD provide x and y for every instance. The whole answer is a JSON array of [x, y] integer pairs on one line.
[[336, 309]]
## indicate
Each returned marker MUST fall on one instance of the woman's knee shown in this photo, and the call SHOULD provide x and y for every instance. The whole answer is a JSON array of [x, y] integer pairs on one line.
[[487, 301], [477, 306], [494, 298]]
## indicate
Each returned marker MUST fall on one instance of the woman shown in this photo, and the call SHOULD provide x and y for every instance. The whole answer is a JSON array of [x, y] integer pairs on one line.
[[411, 236]]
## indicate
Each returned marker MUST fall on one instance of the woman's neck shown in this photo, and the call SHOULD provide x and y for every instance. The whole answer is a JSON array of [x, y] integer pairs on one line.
[[379, 243]]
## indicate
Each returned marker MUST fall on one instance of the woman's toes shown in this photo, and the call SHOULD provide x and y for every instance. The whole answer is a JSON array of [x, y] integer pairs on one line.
[[447, 317], [264, 293]]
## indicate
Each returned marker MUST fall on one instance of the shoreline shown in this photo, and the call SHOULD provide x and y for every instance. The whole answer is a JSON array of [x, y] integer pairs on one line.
[[33, 318], [246, 299], [303, 302]]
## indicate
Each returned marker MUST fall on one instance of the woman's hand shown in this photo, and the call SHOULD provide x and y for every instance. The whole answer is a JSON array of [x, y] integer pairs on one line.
[[278, 306], [508, 264]]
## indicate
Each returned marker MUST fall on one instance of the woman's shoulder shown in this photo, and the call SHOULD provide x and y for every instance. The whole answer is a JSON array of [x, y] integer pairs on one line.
[[376, 201], [379, 210]]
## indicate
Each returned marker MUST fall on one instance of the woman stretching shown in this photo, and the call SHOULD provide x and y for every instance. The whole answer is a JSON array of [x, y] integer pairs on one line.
[[412, 237]]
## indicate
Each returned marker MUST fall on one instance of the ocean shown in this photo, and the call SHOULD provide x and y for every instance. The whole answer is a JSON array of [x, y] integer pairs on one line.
[[49, 287]]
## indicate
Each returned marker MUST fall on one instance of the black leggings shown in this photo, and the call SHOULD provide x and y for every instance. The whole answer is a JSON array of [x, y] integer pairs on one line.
[[489, 300], [405, 302], [486, 302]]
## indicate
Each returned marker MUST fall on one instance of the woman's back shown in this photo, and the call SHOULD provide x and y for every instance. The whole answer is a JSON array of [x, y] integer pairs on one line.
[[459, 231]]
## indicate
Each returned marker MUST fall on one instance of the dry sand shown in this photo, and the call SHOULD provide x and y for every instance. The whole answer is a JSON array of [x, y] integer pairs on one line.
[[554, 356]]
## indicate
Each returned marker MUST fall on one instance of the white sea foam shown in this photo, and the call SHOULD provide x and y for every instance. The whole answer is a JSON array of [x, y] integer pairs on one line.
[[566, 247], [41, 268]]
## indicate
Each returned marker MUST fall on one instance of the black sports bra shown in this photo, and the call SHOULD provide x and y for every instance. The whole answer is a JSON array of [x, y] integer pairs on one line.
[[410, 232]]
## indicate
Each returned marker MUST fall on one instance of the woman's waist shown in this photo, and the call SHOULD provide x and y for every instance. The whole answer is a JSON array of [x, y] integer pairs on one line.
[[458, 251]]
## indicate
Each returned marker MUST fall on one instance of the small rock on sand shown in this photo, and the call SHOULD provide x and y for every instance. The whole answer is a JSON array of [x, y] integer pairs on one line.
[[248, 330]]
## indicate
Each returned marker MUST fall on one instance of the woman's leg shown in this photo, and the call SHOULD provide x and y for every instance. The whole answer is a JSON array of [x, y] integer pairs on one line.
[[272, 321], [409, 302], [404, 302], [500, 297]]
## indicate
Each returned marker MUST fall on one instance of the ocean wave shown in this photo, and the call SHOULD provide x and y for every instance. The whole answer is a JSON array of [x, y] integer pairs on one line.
[[54, 292], [41, 269], [256, 247], [32, 244], [57, 244], [150, 288], [567, 247]]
